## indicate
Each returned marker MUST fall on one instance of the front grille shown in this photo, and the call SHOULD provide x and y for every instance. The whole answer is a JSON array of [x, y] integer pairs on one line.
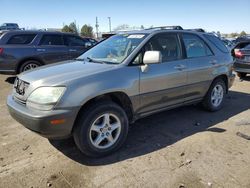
[[20, 87]]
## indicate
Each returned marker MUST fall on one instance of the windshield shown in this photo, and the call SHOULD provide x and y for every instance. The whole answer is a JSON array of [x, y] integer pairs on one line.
[[115, 49]]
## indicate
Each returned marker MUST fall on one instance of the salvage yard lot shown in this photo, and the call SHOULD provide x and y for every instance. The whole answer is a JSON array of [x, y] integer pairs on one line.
[[182, 147]]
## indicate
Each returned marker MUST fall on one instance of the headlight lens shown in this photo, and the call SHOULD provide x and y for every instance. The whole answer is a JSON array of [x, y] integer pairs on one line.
[[45, 98]]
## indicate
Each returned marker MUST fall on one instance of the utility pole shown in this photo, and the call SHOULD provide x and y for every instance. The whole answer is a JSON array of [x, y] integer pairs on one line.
[[109, 24], [96, 26]]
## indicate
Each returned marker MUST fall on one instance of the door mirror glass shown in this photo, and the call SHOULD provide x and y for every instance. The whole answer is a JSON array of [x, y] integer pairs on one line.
[[152, 57]]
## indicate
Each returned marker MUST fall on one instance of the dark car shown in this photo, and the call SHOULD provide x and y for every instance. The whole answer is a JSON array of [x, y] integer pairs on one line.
[[244, 38], [24, 50], [9, 26], [241, 52]]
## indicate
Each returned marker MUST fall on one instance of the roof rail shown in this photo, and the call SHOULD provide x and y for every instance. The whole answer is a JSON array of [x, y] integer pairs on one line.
[[197, 30], [166, 27]]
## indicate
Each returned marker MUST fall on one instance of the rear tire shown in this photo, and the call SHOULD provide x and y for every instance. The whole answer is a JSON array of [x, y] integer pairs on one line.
[[29, 65], [241, 74], [101, 129], [215, 96]]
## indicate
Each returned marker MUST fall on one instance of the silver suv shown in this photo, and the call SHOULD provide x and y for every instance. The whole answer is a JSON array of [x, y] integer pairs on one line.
[[124, 78]]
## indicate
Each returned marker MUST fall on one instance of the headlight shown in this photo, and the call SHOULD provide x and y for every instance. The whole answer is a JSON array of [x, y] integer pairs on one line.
[[45, 98]]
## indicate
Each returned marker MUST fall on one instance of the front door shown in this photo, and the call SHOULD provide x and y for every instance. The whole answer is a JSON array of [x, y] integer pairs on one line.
[[76, 45], [163, 84]]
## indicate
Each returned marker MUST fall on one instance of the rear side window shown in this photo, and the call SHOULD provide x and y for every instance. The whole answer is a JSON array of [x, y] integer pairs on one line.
[[167, 44], [195, 46], [51, 40], [21, 39], [217, 42], [74, 41]]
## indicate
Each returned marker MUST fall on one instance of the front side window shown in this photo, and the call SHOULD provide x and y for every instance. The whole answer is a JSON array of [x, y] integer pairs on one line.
[[114, 49], [52, 40], [167, 44], [21, 39], [74, 41], [195, 47]]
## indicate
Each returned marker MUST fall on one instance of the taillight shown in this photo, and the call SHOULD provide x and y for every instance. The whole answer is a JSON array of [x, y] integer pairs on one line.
[[1, 50], [238, 54]]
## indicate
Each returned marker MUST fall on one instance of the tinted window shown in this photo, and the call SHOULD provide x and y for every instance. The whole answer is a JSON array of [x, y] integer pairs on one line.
[[21, 39], [217, 42], [52, 40], [167, 44], [74, 41], [195, 47]]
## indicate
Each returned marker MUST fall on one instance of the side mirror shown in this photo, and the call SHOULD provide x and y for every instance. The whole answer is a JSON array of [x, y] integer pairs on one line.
[[152, 57], [88, 45]]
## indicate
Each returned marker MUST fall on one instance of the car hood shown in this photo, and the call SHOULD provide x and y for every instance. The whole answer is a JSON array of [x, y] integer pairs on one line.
[[60, 73]]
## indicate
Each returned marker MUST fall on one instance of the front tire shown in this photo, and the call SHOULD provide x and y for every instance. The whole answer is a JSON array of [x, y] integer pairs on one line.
[[215, 96], [101, 129]]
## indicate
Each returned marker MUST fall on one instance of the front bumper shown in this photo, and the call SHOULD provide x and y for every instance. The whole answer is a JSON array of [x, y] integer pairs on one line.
[[40, 121]]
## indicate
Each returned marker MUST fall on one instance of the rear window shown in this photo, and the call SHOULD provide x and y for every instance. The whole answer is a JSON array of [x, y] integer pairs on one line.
[[21, 39], [52, 40], [217, 42]]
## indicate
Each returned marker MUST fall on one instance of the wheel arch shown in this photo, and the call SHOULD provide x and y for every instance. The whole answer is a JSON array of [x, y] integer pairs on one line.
[[223, 77], [120, 98], [27, 59]]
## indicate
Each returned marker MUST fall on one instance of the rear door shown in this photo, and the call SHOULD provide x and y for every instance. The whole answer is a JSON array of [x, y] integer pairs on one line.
[[51, 48], [201, 63], [76, 45], [163, 84]]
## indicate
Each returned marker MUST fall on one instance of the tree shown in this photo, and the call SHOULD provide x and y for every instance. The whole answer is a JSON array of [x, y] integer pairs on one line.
[[67, 29], [142, 27], [243, 33], [87, 31], [73, 27]]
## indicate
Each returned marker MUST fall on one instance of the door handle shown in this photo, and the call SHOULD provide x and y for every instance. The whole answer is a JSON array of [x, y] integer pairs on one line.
[[41, 50], [72, 50], [214, 62], [180, 67]]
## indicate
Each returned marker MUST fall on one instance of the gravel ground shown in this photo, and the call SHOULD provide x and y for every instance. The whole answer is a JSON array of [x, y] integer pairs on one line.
[[185, 147]]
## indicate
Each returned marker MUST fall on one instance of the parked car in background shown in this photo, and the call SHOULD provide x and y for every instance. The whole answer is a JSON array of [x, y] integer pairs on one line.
[[241, 52], [229, 44], [126, 77], [9, 26], [243, 38], [24, 50], [92, 41]]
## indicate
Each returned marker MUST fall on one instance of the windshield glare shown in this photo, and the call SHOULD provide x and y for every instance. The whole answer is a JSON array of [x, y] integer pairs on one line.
[[115, 49]]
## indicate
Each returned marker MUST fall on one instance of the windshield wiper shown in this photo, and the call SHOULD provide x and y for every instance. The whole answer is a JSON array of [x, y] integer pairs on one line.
[[94, 60], [89, 60]]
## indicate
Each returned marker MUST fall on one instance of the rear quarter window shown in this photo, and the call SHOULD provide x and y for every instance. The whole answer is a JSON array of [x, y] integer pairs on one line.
[[21, 39], [217, 42]]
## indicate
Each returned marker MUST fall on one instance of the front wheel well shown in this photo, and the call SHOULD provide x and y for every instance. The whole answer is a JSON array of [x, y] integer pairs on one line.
[[119, 98]]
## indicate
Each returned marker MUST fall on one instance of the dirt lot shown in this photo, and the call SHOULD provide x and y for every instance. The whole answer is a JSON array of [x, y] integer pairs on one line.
[[185, 147]]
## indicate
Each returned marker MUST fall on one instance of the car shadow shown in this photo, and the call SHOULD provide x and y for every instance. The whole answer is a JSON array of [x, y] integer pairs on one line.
[[10, 80], [247, 78], [161, 130]]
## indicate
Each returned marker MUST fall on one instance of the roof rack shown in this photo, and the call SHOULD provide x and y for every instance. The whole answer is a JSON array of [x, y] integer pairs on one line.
[[197, 30], [166, 27]]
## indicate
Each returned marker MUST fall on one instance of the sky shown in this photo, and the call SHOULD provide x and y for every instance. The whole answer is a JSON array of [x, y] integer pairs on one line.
[[226, 16]]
